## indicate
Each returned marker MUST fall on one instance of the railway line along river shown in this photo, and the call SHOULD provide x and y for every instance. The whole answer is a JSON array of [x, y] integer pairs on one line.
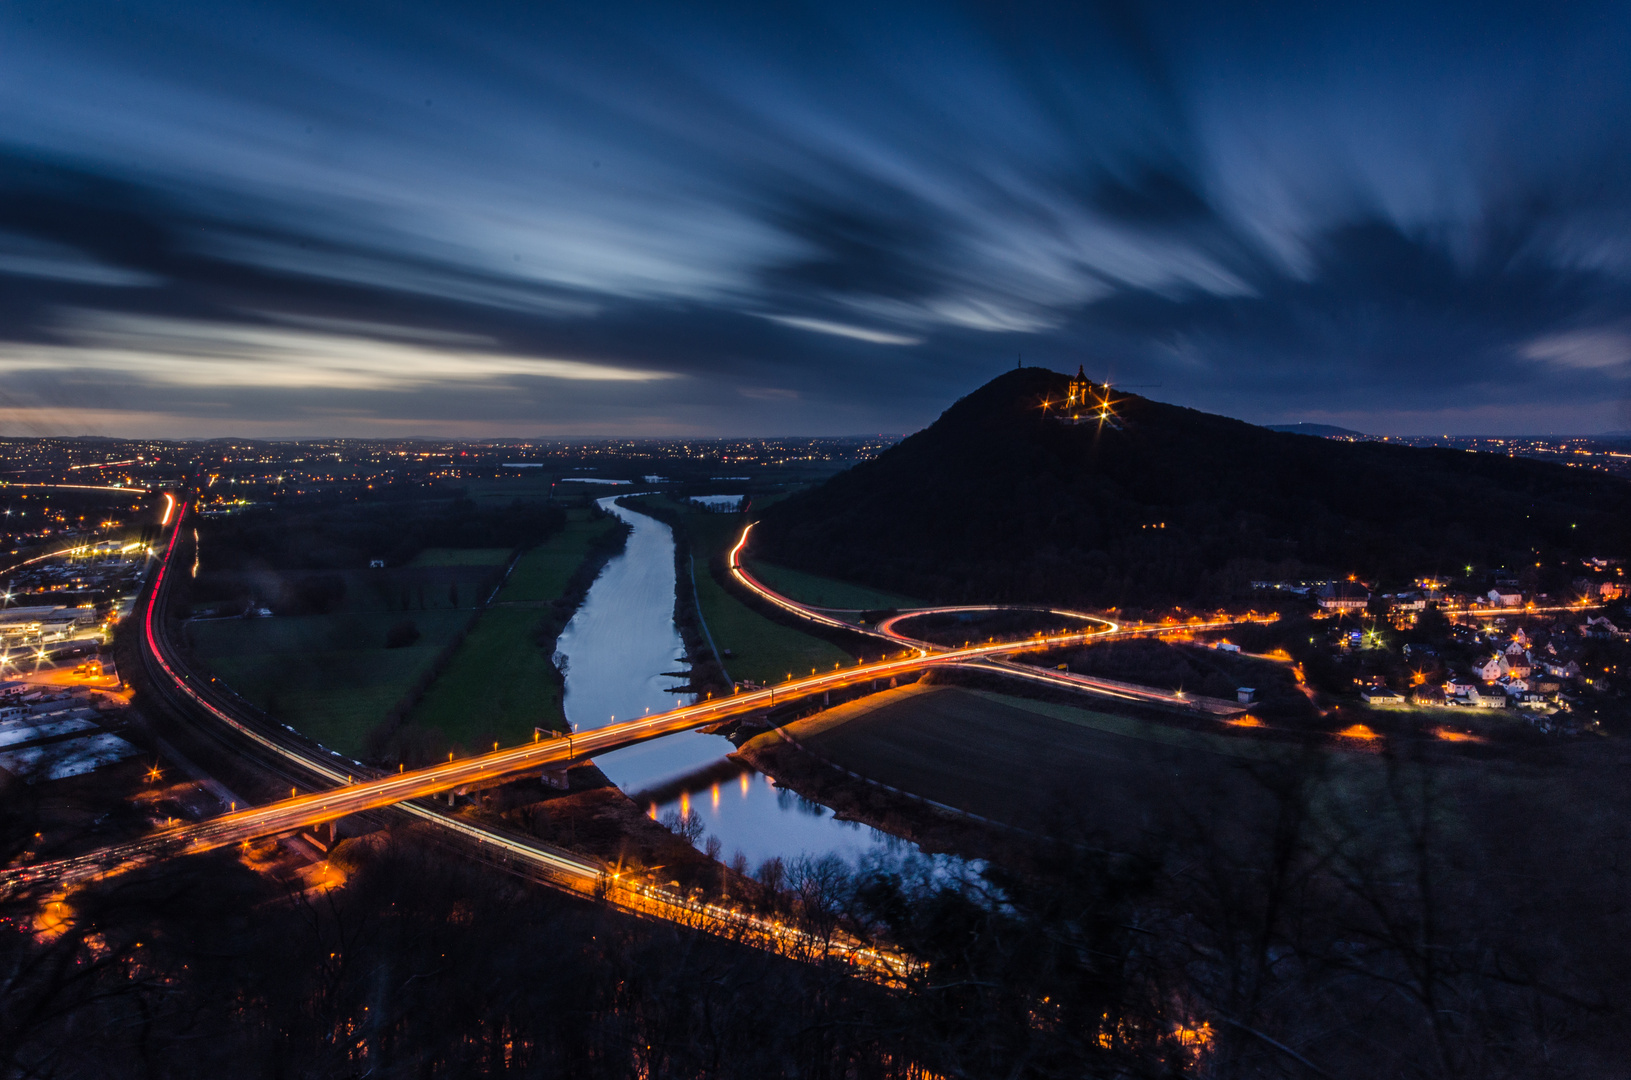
[[619, 653]]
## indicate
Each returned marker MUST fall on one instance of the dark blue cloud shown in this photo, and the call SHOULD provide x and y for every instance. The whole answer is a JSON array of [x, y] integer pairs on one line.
[[293, 218]]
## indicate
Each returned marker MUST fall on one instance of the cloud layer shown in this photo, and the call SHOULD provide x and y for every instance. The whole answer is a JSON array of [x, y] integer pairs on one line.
[[621, 218]]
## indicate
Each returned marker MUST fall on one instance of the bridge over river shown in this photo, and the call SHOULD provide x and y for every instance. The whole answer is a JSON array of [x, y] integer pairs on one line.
[[341, 792]]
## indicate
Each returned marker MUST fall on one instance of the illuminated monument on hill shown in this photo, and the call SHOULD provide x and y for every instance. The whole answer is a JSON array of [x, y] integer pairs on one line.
[[1085, 403], [1076, 398]]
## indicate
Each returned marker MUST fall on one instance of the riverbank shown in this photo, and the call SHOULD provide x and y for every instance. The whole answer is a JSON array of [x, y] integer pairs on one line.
[[708, 672], [592, 817], [619, 655], [784, 754], [959, 768], [501, 681], [746, 638]]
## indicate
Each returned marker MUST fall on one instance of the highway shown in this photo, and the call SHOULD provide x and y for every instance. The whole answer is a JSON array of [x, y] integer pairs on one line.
[[122, 490], [350, 788], [887, 626], [885, 629], [996, 658], [354, 794], [283, 753]]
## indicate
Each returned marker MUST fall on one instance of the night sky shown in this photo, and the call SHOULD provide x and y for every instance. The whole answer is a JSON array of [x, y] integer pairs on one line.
[[583, 219]]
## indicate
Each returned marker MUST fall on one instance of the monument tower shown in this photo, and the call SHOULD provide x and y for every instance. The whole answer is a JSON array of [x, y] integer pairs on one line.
[[1077, 397]]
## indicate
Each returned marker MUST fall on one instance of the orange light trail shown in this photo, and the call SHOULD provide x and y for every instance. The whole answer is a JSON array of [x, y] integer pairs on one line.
[[105, 465], [563, 869], [350, 795], [80, 487]]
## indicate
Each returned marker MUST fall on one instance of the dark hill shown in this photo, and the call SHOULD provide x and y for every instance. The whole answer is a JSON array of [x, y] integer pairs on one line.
[[1324, 431], [993, 502]]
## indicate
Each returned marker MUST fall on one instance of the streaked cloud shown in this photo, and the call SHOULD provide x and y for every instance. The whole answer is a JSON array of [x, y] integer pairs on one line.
[[1606, 350], [837, 329], [634, 214], [37, 257], [178, 352]]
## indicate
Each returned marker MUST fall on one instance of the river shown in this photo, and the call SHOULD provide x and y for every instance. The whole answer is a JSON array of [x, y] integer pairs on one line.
[[620, 653]]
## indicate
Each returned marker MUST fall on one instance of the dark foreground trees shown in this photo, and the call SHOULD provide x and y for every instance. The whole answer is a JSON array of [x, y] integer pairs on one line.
[[1303, 917], [416, 966]]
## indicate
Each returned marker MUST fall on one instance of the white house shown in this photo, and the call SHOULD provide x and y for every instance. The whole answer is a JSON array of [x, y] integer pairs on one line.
[[1566, 670]]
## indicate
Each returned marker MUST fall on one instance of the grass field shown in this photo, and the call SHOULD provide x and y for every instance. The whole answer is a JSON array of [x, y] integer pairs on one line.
[[542, 573], [462, 557], [499, 685], [528, 485], [826, 592], [761, 650], [328, 676], [417, 588], [1019, 761]]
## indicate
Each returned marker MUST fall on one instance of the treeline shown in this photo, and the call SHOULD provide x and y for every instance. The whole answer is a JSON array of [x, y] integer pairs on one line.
[[996, 503], [1303, 927], [1196, 670], [349, 536]]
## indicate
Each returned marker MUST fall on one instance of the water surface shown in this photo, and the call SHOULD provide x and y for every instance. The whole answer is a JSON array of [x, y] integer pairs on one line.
[[615, 652]]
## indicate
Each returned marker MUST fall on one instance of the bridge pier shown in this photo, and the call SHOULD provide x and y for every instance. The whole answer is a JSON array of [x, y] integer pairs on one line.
[[555, 776], [323, 836]]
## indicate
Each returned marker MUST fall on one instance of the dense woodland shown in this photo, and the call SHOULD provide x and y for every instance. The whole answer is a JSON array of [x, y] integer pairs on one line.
[[303, 560], [998, 501], [323, 536]]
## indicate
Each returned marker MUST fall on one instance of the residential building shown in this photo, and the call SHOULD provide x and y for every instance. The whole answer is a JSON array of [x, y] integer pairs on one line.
[[1344, 596], [1428, 696]]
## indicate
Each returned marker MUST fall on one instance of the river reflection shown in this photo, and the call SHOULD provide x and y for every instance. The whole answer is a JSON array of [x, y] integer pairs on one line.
[[614, 653]]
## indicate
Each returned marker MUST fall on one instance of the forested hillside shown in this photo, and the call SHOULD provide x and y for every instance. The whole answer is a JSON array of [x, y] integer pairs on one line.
[[1000, 501]]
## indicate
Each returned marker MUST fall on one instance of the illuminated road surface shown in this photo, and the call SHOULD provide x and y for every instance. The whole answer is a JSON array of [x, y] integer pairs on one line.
[[996, 657], [295, 813], [80, 487], [352, 794], [540, 862]]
